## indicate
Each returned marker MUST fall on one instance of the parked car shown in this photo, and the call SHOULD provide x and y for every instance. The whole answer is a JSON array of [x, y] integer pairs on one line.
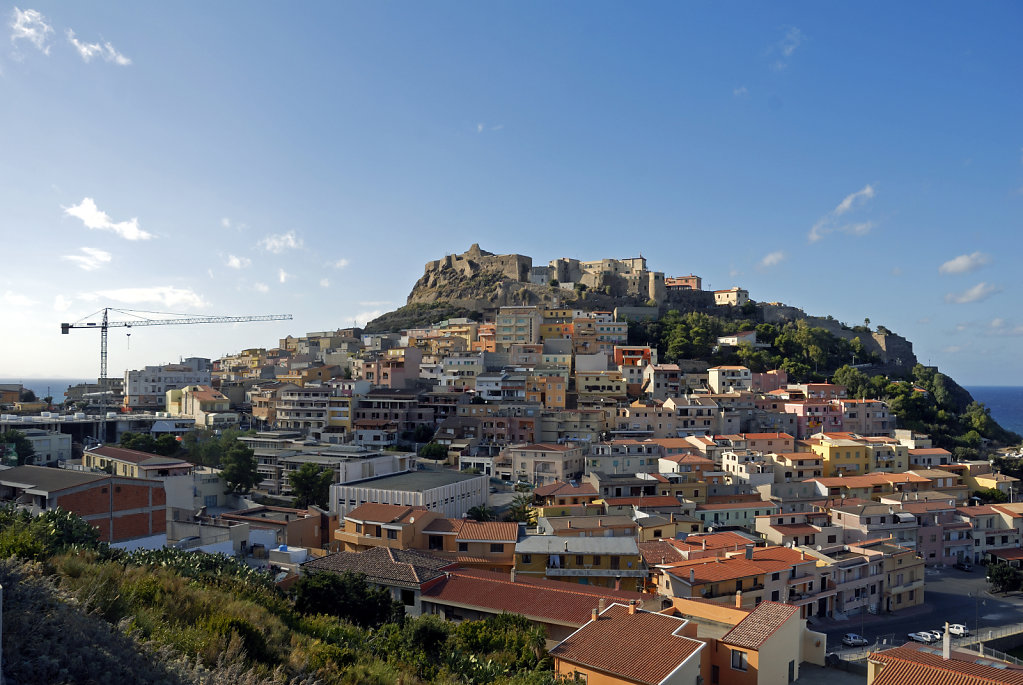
[[854, 640], [922, 636], [964, 566], [958, 629], [938, 635]]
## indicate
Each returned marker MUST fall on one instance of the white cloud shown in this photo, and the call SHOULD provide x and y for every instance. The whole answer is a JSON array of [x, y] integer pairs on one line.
[[340, 264], [862, 195], [278, 243], [164, 295], [18, 300], [793, 37], [740, 91], [479, 128], [282, 275], [61, 304], [964, 263], [787, 46], [772, 259], [225, 222], [90, 261], [93, 218], [238, 262], [896, 271], [977, 293], [261, 287], [374, 303], [324, 282], [362, 318], [31, 25], [829, 222], [90, 50], [1003, 327], [953, 349]]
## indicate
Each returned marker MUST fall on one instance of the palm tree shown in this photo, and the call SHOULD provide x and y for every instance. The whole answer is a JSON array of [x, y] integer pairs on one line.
[[481, 512]]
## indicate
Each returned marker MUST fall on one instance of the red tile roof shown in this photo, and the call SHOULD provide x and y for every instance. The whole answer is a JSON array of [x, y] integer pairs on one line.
[[767, 506], [135, 456], [536, 598], [490, 531], [643, 647], [564, 489], [660, 552], [919, 665], [758, 626]]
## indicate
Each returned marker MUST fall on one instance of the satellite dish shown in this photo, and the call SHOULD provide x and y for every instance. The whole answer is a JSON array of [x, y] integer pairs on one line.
[[818, 548]]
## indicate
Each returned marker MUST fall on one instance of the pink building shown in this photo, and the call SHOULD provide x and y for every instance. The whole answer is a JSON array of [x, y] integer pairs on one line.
[[816, 416]]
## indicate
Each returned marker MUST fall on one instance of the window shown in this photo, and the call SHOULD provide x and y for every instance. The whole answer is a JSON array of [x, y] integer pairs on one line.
[[739, 660], [392, 535], [596, 560], [496, 547], [463, 546], [527, 558]]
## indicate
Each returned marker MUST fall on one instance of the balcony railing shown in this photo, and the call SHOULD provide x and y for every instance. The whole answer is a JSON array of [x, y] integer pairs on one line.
[[596, 572]]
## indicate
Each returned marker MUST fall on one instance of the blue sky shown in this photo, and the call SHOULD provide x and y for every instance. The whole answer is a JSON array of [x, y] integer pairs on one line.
[[245, 158]]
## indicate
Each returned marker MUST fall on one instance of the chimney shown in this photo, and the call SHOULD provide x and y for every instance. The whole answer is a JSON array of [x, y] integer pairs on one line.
[[749, 551], [802, 552], [945, 647], [704, 544], [566, 545], [632, 607], [738, 599], [568, 524], [601, 604], [692, 576], [512, 576], [594, 614]]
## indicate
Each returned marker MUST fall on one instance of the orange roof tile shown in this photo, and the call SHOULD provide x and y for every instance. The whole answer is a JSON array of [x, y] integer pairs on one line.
[[535, 598], [912, 665], [643, 647], [756, 629], [490, 531]]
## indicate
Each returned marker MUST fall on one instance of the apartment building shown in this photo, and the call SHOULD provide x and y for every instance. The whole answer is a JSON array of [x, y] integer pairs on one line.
[[543, 463], [612, 562], [147, 388], [724, 379]]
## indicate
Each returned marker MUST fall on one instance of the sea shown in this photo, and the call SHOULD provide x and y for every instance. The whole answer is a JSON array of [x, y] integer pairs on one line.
[[52, 387], [1005, 403]]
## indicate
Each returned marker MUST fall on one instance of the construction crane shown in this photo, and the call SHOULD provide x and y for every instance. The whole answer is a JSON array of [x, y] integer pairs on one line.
[[143, 320]]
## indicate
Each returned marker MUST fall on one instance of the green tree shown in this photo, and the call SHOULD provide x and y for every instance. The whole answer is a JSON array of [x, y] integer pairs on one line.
[[27, 395], [521, 509], [433, 450], [481, 512], [311, 485], [22, 445], [239, 469], [423, 433], [991, 496], [1003, 578], [346, 595]]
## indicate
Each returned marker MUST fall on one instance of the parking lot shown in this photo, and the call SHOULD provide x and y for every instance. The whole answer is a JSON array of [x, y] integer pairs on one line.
[[950, 595]]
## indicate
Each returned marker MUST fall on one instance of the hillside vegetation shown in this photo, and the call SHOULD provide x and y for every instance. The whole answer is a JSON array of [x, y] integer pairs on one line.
[[76, 611]]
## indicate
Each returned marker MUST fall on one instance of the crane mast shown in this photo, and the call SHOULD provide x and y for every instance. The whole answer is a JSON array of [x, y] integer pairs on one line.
[[105, 324]]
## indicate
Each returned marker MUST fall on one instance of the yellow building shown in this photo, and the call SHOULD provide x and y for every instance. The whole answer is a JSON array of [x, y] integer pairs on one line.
[[841, 455], [612, 562]]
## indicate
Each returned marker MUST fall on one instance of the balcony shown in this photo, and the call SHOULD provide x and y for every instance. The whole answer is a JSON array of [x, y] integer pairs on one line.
[[595, 573]]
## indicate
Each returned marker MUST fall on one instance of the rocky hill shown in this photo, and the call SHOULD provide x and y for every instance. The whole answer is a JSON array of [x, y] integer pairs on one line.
[[477, 283]]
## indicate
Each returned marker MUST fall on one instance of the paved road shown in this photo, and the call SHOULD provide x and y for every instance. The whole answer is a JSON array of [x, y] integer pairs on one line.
[[950, 595]]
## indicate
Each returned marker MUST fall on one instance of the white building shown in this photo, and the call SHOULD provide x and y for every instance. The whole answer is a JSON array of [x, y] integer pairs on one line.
[[50, 446], [452, 494], [148, 387]]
